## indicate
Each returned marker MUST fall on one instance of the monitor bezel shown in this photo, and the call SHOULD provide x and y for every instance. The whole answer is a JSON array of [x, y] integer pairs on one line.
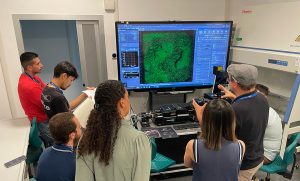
[[165, 89]]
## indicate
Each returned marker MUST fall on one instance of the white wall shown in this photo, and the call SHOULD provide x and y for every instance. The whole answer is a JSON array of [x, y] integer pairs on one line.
[[5, 112], [271, 24], [128, 10], [165, 10]]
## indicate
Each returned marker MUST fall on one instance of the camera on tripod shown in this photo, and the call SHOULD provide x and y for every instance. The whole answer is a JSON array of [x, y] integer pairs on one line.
[[220, 78]]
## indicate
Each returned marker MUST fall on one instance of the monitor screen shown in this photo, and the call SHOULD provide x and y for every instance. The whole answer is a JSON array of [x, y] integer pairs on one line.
[[171, 55]]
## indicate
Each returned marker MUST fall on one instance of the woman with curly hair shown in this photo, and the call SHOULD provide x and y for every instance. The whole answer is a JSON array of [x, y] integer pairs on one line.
[[111, 149]]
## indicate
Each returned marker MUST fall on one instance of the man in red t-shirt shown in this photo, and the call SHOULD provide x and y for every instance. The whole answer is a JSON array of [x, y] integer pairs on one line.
[[30, 87]]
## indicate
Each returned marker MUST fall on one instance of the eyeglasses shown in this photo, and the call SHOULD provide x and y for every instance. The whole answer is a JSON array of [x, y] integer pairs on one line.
[[231, 78]]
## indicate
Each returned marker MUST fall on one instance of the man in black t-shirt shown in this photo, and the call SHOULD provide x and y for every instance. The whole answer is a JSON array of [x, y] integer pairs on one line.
[[52, 96], [252, 111]]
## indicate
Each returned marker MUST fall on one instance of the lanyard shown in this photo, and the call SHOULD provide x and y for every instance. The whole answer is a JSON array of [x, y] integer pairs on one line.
[[34, 79], [245, 97], [56, 87]]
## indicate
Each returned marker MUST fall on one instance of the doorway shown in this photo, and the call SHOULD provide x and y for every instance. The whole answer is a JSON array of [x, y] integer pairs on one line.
[[76, 40]]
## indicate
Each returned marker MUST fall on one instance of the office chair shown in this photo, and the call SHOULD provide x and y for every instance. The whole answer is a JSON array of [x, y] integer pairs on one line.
[[159, 162], [279, 165], [34, 148]]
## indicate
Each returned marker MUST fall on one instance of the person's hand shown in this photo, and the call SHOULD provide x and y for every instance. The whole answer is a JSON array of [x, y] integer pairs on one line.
[[227, 93], [199, 110], [89, 92], [90, 88]]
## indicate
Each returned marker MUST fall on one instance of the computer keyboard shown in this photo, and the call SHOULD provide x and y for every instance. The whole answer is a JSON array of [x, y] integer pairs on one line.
[[186, 126]]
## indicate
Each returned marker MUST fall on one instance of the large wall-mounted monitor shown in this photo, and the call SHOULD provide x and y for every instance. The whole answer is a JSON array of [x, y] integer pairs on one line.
[[171, 55]]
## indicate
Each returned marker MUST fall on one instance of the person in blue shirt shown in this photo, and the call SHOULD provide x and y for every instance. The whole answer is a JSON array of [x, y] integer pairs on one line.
[[58, 162]]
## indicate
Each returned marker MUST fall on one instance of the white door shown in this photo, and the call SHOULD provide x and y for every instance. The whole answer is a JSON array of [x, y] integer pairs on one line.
[[92, 52]]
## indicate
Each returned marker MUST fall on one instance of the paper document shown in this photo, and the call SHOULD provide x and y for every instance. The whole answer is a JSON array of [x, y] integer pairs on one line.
[[90, 94]]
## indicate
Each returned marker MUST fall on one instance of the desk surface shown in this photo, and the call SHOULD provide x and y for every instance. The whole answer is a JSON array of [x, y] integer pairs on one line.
[[14, 135], [179, 132]]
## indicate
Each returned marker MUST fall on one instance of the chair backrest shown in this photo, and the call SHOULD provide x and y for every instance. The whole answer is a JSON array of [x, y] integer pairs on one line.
[[288, 157], [159, 162], [153, 147], [34, 139]]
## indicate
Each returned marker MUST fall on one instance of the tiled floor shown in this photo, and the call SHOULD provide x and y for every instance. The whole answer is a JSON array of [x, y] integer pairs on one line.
[[274, 177]]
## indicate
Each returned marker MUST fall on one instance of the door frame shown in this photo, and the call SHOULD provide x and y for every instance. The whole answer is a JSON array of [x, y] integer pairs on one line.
[[101, 66], [18, 17], [101, 51]]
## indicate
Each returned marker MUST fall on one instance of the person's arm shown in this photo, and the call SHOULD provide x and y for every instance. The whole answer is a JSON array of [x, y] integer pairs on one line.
[[227, 93], [199, 110], [238, 120], [35, 95], [142, 162], [189, 157], [74, 103], [243, 146]]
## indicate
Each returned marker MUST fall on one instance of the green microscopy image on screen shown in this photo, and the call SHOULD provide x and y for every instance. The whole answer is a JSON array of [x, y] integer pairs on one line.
[[166, 56]]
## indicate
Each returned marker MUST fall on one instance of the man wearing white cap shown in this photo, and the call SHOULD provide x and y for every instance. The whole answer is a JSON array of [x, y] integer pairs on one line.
[[252, 111]]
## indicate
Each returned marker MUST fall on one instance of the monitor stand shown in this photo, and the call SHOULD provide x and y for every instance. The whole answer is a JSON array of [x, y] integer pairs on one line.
[[157, 99]]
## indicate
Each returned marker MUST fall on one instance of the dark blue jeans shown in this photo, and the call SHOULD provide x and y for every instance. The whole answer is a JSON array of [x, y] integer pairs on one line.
[[45, 133]]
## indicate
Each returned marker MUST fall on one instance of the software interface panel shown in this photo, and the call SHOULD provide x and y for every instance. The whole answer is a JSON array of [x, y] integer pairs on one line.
[[171, 55]]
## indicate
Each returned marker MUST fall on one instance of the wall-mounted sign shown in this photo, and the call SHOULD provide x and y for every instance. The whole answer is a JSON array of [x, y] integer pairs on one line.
[[244, 11], [278, 62]]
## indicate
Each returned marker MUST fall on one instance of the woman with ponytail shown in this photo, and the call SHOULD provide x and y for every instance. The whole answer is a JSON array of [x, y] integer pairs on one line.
[[111, 149]]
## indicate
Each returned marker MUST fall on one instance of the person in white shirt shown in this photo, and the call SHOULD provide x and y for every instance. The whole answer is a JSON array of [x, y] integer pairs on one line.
[[273, 133]]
